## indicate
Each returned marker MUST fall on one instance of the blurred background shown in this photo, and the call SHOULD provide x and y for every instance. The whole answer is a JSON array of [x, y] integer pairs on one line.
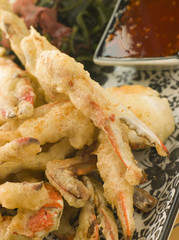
[[73, 26]]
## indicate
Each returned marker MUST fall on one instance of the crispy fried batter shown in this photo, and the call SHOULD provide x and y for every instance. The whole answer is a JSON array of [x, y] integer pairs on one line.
[[148, 106], [73, 111]]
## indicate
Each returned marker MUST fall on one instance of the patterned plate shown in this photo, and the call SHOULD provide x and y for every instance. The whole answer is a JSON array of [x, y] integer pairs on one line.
[[163, 173]]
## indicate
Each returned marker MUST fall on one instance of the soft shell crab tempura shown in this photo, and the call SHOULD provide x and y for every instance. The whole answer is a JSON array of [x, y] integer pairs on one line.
[[78, 128], [17, 95]]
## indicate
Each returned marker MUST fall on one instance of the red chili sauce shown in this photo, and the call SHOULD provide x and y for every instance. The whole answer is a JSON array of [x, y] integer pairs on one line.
[[147, 28]]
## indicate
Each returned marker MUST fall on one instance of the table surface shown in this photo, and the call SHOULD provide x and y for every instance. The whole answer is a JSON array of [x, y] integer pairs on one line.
[[175, 232]]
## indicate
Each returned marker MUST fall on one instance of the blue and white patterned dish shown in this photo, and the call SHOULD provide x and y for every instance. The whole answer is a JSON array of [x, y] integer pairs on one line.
[[163, 173]]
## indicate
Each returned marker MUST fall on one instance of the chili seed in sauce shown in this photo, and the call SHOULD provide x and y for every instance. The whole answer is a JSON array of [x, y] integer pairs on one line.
[[147, 28]]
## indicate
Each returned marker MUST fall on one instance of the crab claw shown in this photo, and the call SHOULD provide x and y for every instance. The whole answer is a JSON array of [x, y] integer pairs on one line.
[[62, 174], [130, 119], [143, 200], [133, 174], [7, 108]]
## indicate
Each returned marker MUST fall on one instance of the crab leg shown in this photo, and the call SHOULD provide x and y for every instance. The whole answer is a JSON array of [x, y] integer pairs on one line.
[[66, 230], [57, 151], [105, 216], [22, 153], [9, 127], [89, 222], [7, 168], [36, 161], [16, 89], [8, 136], [14, 27], [35, 195], [18, 154], [88, 226], [51, 123], [26, 98], [117, 191], [62, 174], [57, 123], [19, 149], [37, 224]]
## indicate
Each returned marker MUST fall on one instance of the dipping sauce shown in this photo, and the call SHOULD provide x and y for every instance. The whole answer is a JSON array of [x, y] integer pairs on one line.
[[146, 28]]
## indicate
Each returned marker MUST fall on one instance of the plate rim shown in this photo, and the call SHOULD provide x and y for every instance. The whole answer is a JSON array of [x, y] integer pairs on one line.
[[167, 227]]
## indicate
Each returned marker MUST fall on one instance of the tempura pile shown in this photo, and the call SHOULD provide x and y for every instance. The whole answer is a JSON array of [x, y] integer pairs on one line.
[[66, 143]]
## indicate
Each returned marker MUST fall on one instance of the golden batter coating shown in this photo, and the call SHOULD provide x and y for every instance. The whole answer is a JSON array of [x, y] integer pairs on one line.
[[148, 106]]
